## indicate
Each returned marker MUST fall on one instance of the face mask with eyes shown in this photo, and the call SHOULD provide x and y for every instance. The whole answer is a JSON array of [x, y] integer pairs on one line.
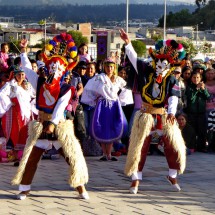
[[162, 67]]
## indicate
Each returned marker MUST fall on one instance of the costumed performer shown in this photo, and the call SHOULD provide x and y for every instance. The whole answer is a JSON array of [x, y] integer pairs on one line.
[[17, 116], [51, 128], [160, 91], [108, 122]]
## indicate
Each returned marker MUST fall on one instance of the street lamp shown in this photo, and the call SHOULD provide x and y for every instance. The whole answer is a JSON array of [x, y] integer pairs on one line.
[[197, 33]]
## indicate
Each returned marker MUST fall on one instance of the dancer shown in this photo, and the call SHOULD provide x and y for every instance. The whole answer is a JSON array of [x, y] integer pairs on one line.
[[108, 122], [159, 89], [51, 129]]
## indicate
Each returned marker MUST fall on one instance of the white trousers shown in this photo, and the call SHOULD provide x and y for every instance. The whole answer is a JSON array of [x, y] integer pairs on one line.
[[43, 144], [139, 175]]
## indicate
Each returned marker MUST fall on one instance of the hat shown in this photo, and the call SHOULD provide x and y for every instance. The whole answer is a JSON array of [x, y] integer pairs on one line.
[[40, 64], [199, 66], [82, 64], [109, 60], [17, 69], [177, 70]]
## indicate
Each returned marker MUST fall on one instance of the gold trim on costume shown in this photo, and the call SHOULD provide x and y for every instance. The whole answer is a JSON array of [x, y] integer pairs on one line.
[[148, 97]]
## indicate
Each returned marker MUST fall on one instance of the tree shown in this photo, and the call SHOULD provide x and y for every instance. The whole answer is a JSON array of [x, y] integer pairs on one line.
[[189, 47], [14, 44], [139, 47], [200, 2], [78, 37]]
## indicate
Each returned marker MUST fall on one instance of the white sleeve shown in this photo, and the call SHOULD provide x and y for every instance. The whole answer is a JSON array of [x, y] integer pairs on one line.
[[58, 112], [132, 55], [172, 104], [30, 74], [25, 61]]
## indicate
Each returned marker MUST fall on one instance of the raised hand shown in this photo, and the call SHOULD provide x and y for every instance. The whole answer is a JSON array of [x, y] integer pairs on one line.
[[23, 43], [124, 36], [170, 118]]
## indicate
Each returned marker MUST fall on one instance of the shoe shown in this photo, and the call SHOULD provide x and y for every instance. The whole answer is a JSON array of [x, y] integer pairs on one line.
[[84, 195], [113, 159], [16, 163], [173, 182], [23, 195], [104, 158], [133, 190]]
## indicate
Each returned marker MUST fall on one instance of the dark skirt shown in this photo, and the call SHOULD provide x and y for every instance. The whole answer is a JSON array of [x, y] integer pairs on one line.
[[109, 122]]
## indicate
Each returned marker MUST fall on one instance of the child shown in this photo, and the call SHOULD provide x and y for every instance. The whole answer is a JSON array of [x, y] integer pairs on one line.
[[83, 53], [197, 95]]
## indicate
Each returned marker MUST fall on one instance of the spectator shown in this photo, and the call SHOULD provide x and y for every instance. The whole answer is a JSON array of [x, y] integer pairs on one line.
[[181, 84], [81, 70], [83, 53], [188, 133], [186, 73], [126, 100], [210, 86], [4, 57], [34, 65], [99, 67], [211, 131], [197, 95], [88, 110]]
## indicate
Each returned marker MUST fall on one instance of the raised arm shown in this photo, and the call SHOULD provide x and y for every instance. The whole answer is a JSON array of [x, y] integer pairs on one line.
[[30, 74], [129, 50]]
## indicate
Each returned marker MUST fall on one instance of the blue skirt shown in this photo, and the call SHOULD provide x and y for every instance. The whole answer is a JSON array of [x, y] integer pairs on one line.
[[109, 122]]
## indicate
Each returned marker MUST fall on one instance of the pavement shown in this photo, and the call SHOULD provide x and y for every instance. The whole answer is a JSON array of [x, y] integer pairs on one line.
[[108, 189]]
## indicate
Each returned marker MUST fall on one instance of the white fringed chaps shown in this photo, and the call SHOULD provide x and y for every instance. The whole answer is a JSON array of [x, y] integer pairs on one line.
[[70, 145], [143, 123], [173, 133]]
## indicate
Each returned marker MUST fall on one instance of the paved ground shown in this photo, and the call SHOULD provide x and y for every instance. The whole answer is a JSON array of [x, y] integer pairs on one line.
[[108, 189]]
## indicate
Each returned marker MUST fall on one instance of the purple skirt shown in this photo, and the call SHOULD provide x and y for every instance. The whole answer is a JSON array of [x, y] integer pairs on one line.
[[109, 122]]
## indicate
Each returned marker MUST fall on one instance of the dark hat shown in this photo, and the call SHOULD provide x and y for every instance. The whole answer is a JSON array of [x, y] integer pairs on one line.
[[199, 66], [82, 64]]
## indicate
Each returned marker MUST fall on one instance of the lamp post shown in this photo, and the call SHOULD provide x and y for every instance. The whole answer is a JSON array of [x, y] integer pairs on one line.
[[197, 34], [164, 21], [127, 4], [45, 31]]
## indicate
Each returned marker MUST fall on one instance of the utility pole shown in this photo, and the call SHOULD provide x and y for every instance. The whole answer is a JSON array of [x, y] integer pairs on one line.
[[197, 34], [164, 21], [127, 7], [45, 31]]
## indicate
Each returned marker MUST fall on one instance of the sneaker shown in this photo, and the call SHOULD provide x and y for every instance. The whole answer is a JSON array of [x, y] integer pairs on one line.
[[23, 195], [104, 158], [133, 190], [173, 182], [84, 195]]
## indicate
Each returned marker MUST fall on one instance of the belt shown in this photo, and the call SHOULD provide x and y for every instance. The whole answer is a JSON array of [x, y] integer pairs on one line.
[[148, 108], [42, 116]]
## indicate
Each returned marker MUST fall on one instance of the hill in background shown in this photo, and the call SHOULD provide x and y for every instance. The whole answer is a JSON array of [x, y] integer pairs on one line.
[[98, 14], [91, 2]]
